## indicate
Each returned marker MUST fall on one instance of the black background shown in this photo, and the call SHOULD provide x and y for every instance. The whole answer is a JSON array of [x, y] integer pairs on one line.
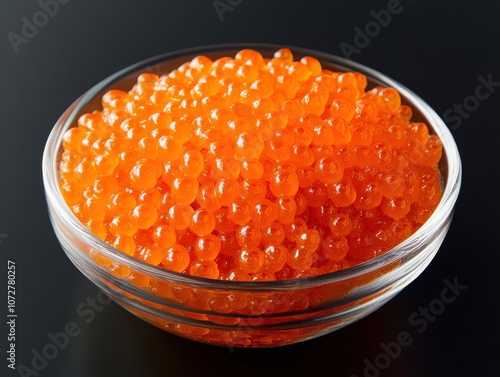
[[436, 48]]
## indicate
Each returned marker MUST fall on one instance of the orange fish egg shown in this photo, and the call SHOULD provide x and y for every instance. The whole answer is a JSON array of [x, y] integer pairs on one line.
[[251, 169]]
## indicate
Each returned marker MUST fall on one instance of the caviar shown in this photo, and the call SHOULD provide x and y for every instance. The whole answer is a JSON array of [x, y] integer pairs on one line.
[[250, 169]]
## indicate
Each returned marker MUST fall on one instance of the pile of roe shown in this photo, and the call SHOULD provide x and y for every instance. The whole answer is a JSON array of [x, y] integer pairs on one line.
[[251, 169]]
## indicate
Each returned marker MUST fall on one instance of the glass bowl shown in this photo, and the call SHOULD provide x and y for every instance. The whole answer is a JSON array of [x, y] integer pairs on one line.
[[257, 314]]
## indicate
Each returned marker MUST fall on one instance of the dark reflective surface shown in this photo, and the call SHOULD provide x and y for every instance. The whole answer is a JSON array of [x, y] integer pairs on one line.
[[442, 51]]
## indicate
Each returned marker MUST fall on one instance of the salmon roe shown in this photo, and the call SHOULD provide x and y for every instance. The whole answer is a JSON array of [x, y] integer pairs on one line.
[[250, 168]]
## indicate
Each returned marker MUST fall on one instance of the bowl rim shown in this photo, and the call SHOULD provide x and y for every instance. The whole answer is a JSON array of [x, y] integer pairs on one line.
[[444, 209]]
